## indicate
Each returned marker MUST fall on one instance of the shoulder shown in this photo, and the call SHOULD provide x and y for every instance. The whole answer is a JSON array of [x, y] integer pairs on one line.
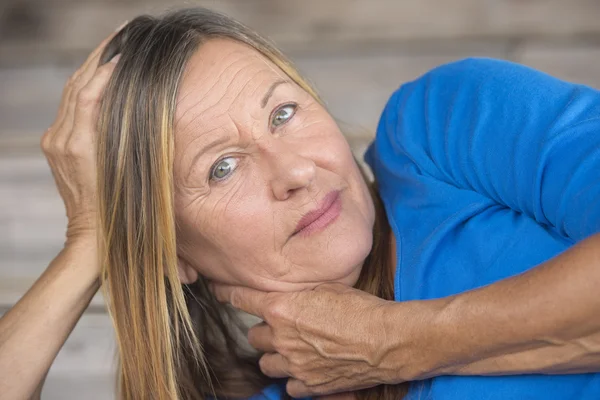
[[472, 93], [478, 79]]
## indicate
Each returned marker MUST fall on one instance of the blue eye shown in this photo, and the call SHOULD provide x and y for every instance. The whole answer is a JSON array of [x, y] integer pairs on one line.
[[223, 168], [283, 114]]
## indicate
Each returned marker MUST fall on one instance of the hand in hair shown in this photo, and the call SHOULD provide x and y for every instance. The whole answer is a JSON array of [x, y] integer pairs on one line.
[[69, 144], [33, 331], [328, 340]]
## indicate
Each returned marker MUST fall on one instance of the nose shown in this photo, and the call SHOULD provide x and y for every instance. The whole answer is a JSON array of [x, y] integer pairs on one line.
[[289, 171]]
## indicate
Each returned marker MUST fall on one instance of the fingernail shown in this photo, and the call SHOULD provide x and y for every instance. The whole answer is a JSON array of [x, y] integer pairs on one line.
[[115, 59], [122, 26]]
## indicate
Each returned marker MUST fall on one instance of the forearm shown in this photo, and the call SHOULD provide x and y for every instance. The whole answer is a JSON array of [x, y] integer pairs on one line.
[[34, 330], [544, 321]]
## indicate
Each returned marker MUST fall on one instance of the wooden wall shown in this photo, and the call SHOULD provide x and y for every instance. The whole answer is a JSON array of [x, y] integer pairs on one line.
[[356, 51]]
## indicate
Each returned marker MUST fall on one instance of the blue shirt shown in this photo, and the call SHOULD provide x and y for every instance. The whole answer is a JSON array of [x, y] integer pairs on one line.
[[487, 168]]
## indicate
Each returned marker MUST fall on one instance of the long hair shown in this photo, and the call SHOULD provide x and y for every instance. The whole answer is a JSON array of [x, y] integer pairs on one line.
[[175, 341]]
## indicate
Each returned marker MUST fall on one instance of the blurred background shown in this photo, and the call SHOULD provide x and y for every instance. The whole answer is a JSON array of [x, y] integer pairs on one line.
[[357, 52]]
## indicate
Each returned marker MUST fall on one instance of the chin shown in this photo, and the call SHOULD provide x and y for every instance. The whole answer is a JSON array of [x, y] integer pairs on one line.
[[339, 261], [347, 257]]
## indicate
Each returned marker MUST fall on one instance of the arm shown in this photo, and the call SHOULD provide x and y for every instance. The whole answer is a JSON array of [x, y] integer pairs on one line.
[[520, 138], [543, 321], [530, 143], [37, 395], [34, 330]]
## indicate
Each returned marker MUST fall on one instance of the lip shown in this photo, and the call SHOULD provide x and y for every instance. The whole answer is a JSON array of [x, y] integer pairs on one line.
[[321, 217]]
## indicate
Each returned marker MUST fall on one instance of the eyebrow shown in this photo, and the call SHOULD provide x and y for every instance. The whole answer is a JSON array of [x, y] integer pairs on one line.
[[269, 93]]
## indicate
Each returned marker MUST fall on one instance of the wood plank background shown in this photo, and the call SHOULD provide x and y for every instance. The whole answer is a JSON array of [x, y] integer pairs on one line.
[[355, 51]]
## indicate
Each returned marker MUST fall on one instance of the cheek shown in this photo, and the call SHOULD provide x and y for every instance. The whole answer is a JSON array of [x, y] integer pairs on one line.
[[230, 231], [345, 165], [336, 156], [325, 143]]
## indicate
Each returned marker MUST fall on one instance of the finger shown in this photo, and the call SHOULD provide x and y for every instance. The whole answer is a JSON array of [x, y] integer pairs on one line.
[[338, 388], [95, 55], [296, 388], [92, 59], [87, 109], [65, 128], [89, 97], [245, 299], [82, 108], [86, 71], [82, 76], [332, 287], [274, 365], [64, 119], [63, 107], [260, 337]]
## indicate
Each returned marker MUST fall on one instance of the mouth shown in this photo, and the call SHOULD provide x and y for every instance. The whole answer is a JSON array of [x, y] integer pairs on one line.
[[321, 217]]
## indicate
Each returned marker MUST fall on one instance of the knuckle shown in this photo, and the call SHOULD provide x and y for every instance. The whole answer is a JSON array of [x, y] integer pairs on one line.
[[57, 148], [75, 147], [291, 388], [104, 72], [86, 97], [74, 80], [295, 370], [263, 364], [71, 81], [235, 298], [69, 151], [279, 345], [106, 69], [252, 336], [278, 310], [45, 141]]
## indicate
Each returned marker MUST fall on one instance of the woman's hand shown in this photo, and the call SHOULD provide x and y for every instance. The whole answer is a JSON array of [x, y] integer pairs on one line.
[[69, 144], [332, 339], [33, 331]]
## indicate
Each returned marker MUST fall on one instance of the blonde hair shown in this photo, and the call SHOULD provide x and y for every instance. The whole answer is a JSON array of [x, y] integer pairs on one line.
[[174, 341]]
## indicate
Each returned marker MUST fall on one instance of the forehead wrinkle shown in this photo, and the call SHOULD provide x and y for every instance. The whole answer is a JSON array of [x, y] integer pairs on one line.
[[202, 113], [235, 98], [244, 86], [199, 137], [202, 97], [217, 105]]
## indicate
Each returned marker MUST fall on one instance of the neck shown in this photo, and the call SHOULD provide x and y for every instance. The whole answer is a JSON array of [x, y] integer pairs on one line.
[[377, 275]]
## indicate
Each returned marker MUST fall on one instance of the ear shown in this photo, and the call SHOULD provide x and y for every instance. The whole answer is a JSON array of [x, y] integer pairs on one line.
[[187, 274]]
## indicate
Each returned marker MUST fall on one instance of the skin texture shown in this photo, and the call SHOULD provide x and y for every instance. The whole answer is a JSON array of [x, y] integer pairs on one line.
[[334, 338], [240, 230]]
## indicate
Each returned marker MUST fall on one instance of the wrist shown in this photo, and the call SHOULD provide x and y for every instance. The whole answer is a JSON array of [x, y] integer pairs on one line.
[[79, 256], [81, 238], [418, 345]]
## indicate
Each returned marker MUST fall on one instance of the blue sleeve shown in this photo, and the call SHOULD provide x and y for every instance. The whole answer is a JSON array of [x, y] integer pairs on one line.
[[522, 138], [274, 392]]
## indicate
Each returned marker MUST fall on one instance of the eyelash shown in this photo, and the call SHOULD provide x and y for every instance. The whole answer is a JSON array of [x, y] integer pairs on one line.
[[279, 108], [272, 128]]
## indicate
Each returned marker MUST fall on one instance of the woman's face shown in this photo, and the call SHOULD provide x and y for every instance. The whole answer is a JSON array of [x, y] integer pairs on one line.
[[267, 193]]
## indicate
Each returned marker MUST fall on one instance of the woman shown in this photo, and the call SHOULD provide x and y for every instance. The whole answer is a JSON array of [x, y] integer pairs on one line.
[[216, 163]]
